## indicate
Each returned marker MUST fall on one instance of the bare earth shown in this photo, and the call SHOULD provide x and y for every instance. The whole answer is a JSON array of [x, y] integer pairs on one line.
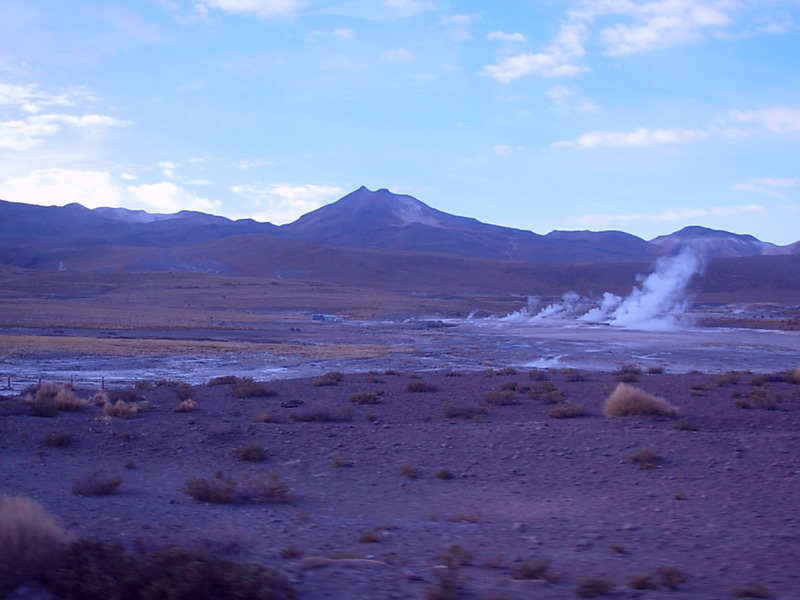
[[722, 506]]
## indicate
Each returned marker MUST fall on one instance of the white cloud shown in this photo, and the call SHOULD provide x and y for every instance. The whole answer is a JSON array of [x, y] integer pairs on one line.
[[502, 150], [638, 138], [778, 119], [567, 99], [409, 7], [344, 33], [254, 163], [27, 133], [261, 8], [93, 189], [671, 215], [506, 37], [555, 61], [397, 55], [770, 186], [166, 197], [657, 24], [283, 203], [168, 168], [32, 100], [458, 27]]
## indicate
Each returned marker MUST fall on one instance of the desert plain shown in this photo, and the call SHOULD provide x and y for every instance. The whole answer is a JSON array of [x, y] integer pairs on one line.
[[414, 446]]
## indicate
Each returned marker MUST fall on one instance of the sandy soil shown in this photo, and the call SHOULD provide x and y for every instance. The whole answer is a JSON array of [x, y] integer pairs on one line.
[[721, 506]]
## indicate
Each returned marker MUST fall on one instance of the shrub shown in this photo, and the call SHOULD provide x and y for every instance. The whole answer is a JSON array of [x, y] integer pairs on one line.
[[340, 462], [751, 591], [143, 384], [57, 440], [627, 373], [121, 410], [364, 398], [252, 451], [222, 380], [95, 483], [41, 407], [538, 375], [67, 401], [91, 569], [642, 582], [444, 474], [409, 470], [546, 392], [655, 370], [321, 415], [369, 537], [129, 395], [503, 397], [266, 417], [575, 375], [685, 424], [222, 489], [567, 410], [417, 387], [329, 378], [246, 387], [671, 577], [183, 406], [29, 540], [591, 587], [468, 411], [449, 585], [645, 458], [531, 569], [627, 400], [796, 375]]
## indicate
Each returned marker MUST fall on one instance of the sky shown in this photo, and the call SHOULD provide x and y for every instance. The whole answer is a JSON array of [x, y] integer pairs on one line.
[[644, 116]]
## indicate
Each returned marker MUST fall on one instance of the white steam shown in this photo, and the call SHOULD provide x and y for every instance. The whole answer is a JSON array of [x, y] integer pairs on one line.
[[661, 298], [655, 305]]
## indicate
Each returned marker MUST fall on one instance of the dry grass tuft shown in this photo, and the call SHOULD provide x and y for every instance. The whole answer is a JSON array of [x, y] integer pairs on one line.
[[467, 411], [187, 405], [567, 410], [419, 387], [364, 398], [67, 401], [96, 483], [409, 470], [223, 489], [246, 387], [531, 569], [29, 540], [627, 373], [54, 439], [222, 380], [645, 458], [329, 378], [121, 410], [628, 400], [591, 587], [251, 451], [751, 591]]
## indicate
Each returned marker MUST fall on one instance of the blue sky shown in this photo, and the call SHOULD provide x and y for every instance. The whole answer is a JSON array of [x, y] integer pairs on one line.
[[638, 115]]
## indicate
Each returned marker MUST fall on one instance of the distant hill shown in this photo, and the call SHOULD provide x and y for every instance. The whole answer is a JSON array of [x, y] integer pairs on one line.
[[377, 239], [717, 244]]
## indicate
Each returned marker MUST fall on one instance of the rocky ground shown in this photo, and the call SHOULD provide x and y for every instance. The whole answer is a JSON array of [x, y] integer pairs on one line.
[[391, 483]]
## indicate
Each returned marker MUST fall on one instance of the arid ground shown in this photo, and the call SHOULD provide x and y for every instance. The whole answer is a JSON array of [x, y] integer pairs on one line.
[[448, 459]]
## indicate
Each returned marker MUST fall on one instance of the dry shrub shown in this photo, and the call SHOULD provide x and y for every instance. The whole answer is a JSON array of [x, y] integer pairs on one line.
[[96, 483], [29, 540], [627, 373], [99, 399], [222, 380], [266, 417], [685, 424], [90, 570], [751, 591], [468, 411], [538, 375], [642, 582], [444, 474], [502, 397], [321, 415], [223, 489], [449, 585], [546, 392], [531, 569], [574, 375], [628, 400], [364, 398], [126, 395], [67, 401], [246, 387], [252, 451], [645, 458], [183, 406], [567, 410], [121, 410], [417, 387], [796, 375], [40, 407], [672, 577], [340, 462], [369, 537], [409, 470], [329, 378], [55, 439], [591, 587]]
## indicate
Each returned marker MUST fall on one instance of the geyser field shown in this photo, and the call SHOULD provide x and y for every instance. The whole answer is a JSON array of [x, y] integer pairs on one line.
[[421, 447]]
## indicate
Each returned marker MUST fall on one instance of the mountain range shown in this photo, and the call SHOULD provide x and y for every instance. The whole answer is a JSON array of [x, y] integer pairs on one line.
[[366, 238]]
